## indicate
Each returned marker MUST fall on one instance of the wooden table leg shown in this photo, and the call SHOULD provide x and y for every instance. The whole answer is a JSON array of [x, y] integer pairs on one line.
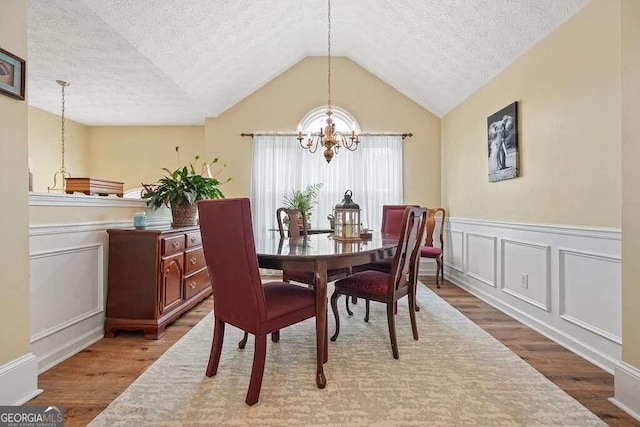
[[320, 282]]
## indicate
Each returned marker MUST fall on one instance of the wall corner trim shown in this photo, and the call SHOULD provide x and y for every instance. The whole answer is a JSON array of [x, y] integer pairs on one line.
[[627, 389], [19, 380]]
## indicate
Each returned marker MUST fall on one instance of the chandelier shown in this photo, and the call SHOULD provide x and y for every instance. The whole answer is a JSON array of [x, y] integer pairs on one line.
[[329, 138], [62, 173]]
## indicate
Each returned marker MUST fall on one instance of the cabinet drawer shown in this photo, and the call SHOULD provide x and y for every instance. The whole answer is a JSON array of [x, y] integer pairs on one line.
[[193, 260], [173, 244], [196, 283], [194, 239]]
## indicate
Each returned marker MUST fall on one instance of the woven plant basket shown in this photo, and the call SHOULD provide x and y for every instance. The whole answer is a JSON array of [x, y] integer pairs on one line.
[[184, 214]]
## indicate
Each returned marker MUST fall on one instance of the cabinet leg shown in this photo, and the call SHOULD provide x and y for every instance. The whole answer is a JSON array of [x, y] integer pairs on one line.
[[109, 332], [153, 333]]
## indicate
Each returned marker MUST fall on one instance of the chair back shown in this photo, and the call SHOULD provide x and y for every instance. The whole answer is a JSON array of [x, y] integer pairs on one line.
[[294, 228], [431, 225], [392, 216], [405, 262], [230, 253]]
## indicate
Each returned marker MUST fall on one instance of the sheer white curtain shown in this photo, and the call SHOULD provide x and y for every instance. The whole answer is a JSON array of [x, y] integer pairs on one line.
[[373, 173]]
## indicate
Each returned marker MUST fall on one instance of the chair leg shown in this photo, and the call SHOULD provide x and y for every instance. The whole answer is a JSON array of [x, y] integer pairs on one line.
[[259, 357], [441, 268], [366, 315], [412, 311], [275, 336], [347, 305], [392, 330], [354, 300], [325, 357], [438, 268], [243, 341], [216, 347], [334, 308]]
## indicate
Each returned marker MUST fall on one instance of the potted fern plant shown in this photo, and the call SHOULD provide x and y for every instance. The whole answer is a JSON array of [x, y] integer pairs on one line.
[[181, 189], [303, 200]]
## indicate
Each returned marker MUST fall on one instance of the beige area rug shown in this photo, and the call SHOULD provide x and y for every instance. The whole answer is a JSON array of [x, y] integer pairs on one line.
[[456, 374]]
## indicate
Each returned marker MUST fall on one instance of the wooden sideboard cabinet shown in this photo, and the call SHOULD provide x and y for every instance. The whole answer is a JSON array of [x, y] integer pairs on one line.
[[155, 275]]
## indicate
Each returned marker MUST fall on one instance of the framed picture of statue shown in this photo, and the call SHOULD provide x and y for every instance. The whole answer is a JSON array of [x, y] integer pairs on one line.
[[502, 143]]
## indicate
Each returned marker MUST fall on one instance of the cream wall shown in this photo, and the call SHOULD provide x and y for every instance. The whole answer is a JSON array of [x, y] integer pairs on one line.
[[569, 100], [45, 147], [135, 154], [14, 221], [281, 104], [630, 180]]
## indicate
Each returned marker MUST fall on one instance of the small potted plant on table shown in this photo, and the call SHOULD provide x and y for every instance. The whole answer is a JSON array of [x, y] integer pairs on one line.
[[303, 200]]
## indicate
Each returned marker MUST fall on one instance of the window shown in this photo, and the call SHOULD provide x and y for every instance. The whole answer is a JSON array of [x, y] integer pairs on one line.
[[316, 119], [373, 173]]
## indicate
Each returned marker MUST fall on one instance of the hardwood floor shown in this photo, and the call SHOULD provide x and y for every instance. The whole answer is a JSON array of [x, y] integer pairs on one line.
[[582, 380], [87, 382]]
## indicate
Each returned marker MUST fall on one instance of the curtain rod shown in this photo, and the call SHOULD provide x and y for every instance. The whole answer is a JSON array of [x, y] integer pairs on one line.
[[403, 135]]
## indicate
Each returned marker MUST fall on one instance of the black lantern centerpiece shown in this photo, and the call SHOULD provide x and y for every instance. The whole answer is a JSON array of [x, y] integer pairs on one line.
[[347, 219]]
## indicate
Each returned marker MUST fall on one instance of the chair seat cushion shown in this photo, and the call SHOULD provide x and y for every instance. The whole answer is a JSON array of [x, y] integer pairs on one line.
[[384, 265], [283, 298], [371, 281], [430, 252], [307, 276]]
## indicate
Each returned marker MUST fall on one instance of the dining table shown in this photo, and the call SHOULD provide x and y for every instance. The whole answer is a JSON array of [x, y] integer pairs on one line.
[[319, 253], [312, 230]]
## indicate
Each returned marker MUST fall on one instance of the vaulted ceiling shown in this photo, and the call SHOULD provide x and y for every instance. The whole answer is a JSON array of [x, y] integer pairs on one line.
[[162, 62]]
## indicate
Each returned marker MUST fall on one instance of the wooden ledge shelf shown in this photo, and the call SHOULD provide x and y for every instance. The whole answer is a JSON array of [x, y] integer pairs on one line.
[[91, 186]]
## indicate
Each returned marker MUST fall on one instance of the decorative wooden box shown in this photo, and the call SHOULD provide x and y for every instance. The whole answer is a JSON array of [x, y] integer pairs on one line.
[[92, 186]]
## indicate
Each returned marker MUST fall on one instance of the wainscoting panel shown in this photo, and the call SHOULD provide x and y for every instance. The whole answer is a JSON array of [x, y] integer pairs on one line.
[[453, 254], [579, 282], [572, 289], [526, 272], [481, 258], [78, 271], [68, 269]]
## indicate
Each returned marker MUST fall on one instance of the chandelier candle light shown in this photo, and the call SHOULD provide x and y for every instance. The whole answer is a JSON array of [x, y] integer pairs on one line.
[[330, 139], [63, 171]]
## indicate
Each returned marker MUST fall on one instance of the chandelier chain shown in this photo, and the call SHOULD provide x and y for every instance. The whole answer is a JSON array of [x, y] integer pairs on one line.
[[329, 137], [62, 137], [329, 59], [62, 173]]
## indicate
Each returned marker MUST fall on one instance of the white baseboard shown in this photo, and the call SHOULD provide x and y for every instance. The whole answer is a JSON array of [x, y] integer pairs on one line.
[[589, 353], [19, 380], [59, 354], [627, 389]]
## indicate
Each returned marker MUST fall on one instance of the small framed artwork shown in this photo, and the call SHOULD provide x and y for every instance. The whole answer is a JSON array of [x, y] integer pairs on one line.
[[502, 143], [12, 75]]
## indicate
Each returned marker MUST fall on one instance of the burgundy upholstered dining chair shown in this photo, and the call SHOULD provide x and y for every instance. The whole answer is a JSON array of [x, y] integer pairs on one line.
[[240, 299], [391, 226], [388, 288], [430, 251]]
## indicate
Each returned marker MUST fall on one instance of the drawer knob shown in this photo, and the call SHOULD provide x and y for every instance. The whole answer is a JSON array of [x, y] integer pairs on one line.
[[175, 244], [193, 260], [193, 239], [192, 285]]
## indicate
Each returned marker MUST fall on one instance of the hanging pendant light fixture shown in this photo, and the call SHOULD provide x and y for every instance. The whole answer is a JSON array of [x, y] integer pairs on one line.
[[62, 173], [329, 138]]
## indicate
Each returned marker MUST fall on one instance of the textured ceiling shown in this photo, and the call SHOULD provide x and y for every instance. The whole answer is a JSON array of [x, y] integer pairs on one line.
[[160, 62]]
